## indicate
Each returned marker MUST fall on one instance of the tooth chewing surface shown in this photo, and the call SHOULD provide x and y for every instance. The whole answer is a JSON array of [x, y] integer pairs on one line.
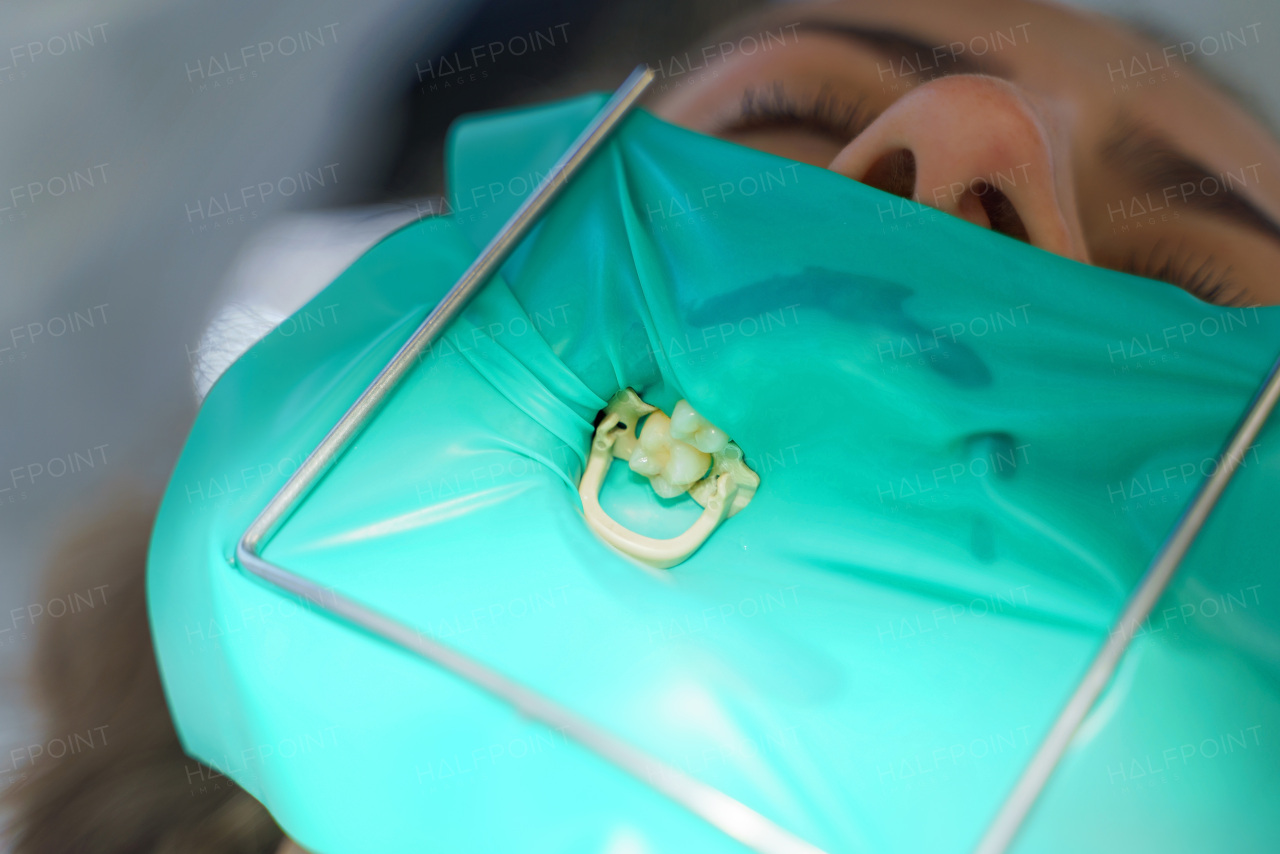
[[674, 453]]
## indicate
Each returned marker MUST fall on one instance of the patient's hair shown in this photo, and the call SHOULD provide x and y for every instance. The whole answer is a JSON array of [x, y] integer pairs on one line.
[[132, 790]]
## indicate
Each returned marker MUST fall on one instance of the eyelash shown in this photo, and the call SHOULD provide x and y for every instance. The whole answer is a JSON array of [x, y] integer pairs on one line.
[[824, 113], [1193, 274]]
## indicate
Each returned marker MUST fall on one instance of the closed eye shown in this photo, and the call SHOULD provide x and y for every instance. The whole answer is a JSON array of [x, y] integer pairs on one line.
[[1199, 276], [824, 113]]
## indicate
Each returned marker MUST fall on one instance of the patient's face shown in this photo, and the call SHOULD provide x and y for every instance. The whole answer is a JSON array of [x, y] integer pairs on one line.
[[1041, 123]]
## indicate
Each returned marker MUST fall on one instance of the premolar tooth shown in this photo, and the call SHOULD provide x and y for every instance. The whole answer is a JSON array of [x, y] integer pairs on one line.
[[688, 426], [711, 439], [685, 420]]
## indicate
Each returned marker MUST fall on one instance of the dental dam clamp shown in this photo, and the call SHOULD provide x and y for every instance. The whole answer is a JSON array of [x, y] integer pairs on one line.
[[687, 439]]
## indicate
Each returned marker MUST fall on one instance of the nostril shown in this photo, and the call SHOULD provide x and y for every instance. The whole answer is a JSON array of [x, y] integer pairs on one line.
[[894, 172], [1001, 213]]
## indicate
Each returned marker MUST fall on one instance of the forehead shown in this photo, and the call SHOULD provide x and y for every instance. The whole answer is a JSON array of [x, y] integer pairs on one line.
[[1088, 71]]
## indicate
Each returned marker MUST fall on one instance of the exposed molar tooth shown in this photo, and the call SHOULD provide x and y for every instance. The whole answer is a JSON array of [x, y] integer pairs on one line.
[[666, 488], [653, 449], [656, 431], [642, 463], [686, 464], [671, 465], [688, 426], [652, 452], [665, 453]]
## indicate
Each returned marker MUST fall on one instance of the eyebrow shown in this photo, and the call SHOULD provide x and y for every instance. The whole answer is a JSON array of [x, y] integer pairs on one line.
[[905, 51], [1156, 166]]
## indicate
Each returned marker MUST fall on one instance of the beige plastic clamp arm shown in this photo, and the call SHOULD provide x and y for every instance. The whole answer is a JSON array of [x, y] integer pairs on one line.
[[723, 491]]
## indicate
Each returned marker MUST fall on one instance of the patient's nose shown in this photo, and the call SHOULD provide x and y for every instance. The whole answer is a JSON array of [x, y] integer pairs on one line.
[[974, 147]]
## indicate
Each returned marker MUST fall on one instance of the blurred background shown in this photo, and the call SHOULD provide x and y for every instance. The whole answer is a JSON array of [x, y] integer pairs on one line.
[[158, 159]]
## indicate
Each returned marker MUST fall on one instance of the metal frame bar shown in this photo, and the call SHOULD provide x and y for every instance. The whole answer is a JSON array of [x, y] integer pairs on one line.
[[1004, 827], [720, 810]]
